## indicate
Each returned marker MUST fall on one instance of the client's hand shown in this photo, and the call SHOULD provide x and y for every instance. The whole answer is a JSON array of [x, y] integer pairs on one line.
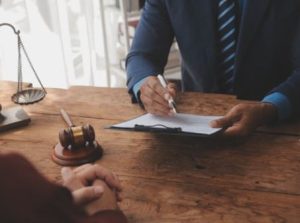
[[93, 187]]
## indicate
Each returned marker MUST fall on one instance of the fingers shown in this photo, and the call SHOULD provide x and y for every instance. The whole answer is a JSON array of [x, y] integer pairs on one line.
[[155, 106], [222, 122], [172, 89], [108, 200], [155, 97], [79, 180], [119, 197], [235, 122], [113, 191], [228, 120], [89, 173], [236, 130], [234, 127], [87, 194]]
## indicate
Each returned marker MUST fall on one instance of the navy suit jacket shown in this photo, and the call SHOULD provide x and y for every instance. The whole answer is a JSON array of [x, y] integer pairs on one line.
[[268, 51]]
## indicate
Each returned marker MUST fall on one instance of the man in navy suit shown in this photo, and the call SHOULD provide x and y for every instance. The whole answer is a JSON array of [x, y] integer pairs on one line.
[[249, 48]]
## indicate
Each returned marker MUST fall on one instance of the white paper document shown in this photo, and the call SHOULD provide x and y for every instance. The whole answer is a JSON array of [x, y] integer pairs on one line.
[[179, 123]]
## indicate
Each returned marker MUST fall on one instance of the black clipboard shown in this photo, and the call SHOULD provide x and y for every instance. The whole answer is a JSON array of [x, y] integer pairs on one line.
[[180, 124]]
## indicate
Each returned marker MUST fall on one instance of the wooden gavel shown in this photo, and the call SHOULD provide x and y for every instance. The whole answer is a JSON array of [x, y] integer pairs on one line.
[[75, 137], [77, 144]]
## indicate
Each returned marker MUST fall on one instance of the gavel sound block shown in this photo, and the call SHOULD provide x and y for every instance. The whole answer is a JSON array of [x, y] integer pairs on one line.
[[77, 145]]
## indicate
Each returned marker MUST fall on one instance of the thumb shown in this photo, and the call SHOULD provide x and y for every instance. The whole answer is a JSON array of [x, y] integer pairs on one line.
[[66, 173], [228, 120], [87, 194], [223, 122], [69, 179]]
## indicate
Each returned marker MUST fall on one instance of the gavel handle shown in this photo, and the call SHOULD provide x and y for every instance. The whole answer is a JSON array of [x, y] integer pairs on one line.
[[67, 118]]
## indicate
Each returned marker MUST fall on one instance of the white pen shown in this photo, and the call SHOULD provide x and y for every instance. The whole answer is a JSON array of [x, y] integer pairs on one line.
[[171, 101]]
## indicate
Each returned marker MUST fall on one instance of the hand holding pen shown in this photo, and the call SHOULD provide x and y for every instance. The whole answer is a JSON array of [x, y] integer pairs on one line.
[[158, 97], [171, 101]]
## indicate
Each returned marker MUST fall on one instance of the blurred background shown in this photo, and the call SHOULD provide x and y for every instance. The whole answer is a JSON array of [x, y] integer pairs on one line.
[[73, 42]]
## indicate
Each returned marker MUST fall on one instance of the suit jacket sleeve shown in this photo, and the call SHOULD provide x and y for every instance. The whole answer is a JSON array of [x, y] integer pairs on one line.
[[151, 44], [26, 196], [291, 87]]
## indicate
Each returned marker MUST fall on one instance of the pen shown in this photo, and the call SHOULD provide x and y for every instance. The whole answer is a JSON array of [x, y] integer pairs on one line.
[[171, 101]]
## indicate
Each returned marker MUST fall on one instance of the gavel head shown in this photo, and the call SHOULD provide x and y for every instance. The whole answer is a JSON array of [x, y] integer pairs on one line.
[[77, 136]]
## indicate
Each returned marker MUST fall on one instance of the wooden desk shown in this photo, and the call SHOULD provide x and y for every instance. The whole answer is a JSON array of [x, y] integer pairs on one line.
[[172, 179]]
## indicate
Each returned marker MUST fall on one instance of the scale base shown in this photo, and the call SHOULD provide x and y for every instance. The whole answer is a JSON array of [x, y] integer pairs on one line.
[[66, 157]]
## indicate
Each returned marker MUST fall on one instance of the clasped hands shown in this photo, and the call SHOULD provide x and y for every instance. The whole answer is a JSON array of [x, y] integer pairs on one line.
[[241, 120], [93, 187]]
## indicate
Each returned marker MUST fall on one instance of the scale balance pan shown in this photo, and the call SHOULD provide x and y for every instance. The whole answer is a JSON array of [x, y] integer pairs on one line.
[[28, 96]]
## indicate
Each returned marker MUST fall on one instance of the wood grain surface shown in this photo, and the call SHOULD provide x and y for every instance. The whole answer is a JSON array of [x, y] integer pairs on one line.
[[172, 178]]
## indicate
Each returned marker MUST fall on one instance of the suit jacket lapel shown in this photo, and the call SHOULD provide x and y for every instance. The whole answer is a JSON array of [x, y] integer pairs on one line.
[[252, 17]]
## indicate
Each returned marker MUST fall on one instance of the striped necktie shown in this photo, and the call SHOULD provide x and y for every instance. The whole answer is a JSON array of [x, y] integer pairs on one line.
[[227, 41]]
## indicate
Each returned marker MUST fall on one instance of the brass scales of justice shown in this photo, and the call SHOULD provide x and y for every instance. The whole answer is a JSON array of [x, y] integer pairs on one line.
[[29, 95]]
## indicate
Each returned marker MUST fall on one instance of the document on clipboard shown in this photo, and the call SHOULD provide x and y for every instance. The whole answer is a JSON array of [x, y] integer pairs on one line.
[[179, 124]]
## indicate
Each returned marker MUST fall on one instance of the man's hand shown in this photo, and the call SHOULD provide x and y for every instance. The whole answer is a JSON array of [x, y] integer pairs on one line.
[[244, 118], [93, 187], [155, 97]]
